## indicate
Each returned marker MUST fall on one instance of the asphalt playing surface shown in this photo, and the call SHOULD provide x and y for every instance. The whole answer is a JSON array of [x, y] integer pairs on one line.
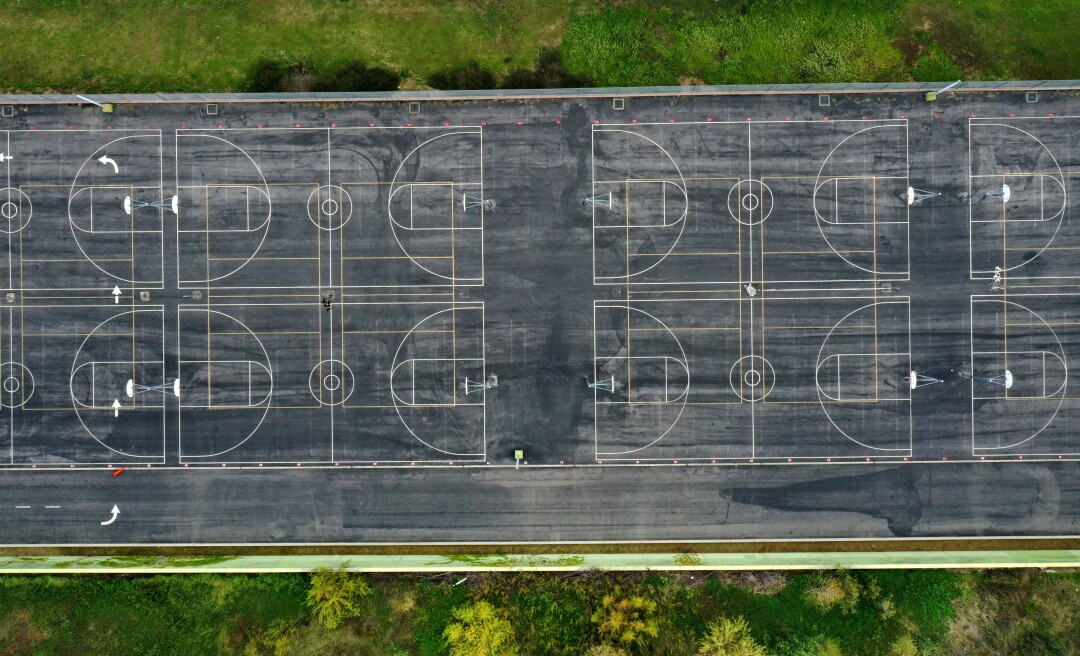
[[697, 317]]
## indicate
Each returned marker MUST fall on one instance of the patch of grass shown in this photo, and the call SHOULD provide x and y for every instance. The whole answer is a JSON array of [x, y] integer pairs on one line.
[[194, 614], [996, 39], [1017, 612], [435, 611], [215, 45], [768, 41]]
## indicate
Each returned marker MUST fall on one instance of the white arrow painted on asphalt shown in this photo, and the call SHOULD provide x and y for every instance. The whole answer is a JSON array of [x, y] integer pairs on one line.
[[116, 407], [105, 160], [115, 514], [7, 158], [116, 294]]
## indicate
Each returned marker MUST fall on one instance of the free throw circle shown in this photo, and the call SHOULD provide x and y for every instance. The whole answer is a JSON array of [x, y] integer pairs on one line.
[[331, 382], [329, 207], [752, 378], [15, 210], [17, 383]]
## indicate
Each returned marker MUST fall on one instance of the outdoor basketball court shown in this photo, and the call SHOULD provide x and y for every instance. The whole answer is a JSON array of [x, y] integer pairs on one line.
[[464, 293]]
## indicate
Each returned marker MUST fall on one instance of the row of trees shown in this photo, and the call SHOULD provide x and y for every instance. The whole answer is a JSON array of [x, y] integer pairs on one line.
[[271, 76], [480, 629]]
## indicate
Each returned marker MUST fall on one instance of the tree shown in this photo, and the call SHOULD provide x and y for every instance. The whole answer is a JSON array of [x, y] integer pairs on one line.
[[267, 76], [839, 589], [604, 649], [334, 595], [627, 620], [480, 630], [730, 637], [355, 75], [468, 77]]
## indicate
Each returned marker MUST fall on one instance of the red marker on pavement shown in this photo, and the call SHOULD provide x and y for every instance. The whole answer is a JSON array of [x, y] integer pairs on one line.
[[119, 471]]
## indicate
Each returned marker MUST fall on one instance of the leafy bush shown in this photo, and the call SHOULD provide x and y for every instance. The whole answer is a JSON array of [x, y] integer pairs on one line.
[[838, 589], [266, 77], [335, 595], [904, 646], [549, 73], [627, 620], [468, 77], [730, 637], [355, 75], [604, 649], [480, 630]]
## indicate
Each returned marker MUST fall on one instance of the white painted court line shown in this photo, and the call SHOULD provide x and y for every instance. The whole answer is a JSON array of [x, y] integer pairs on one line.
[[1017, 448], [1016, 271]]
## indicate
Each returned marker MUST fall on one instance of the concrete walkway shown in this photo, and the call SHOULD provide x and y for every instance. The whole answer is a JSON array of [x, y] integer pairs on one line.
[[569, 562]]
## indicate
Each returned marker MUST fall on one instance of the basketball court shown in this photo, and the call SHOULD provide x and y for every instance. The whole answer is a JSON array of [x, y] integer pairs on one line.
[[849, 315]]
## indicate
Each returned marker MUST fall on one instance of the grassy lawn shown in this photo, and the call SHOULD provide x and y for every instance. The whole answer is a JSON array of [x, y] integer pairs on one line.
[[213, 45]]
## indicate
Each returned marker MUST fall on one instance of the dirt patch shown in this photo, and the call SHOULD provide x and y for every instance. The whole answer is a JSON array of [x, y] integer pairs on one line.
[[18, 635]]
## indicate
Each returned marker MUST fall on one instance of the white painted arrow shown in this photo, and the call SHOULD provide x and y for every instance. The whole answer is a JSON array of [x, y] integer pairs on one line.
[[116, 294], [116, 407], [7, 158], [115, 513], [105, 160]]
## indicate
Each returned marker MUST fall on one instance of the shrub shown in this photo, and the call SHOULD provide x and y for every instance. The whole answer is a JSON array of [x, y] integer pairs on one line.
[[468, 77], [904, 646], [355, 75], [837, 589], [480, 630], [604, 649], [730, 637], [627, 620], [300, 77], [334, 595], [548, 74], [266, 77]]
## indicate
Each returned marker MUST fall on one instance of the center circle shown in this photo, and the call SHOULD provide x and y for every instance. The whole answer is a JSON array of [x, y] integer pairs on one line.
[[331, 382], [752, 378], [16, 208], [329, 207], [750, 202], [18, 385]]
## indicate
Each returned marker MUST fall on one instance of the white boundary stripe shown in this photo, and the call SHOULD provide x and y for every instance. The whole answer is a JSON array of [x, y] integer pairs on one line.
[[680, 222], [977, 450], [631, 128], [980, 274], [134, 132], [74, 227], [445, 306], [181, 309], [882, 452], [150, 309], [596, 402], [462, 281]]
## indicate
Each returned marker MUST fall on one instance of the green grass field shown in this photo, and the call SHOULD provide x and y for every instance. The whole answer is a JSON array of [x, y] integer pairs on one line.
[[213, 45]]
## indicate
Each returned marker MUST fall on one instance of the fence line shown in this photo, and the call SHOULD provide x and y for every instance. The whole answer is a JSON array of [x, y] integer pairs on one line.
[[523, 94]]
